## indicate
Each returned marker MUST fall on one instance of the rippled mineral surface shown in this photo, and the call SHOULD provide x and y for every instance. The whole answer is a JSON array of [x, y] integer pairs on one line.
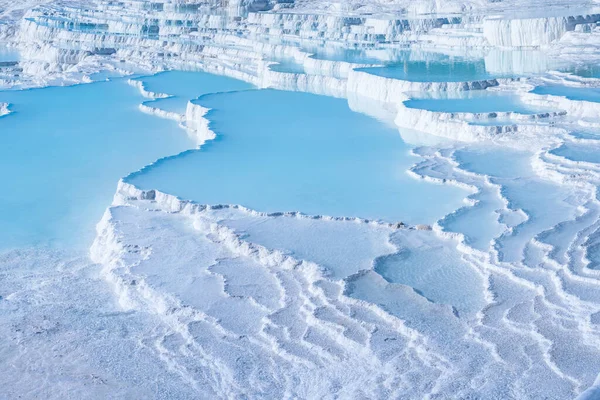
[[299, 199]]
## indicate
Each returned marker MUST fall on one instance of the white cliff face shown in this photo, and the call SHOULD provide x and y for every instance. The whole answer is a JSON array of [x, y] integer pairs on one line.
[[343, 29], [389, 90], [576, 109], [532, 32], [510, 62], [196, 125], [463, 126]]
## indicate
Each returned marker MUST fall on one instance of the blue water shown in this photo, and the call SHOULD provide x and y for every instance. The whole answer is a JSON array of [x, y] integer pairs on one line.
[[172, 104], [579, 152], [62, 153], [585, 135], [358, 56], [494, 162], [187, 85], [544, 202], [480, 223], [493, 122], [287, 66], [585, 71], [480, 101], [106, 75], [434, 71], [288, 151], [571, 93], [8, 54]]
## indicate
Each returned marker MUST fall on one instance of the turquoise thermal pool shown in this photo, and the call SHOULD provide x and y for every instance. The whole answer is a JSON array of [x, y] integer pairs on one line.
[[329, 160]]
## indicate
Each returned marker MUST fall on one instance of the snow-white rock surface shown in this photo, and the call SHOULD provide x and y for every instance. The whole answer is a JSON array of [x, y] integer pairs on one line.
[[221, 301]]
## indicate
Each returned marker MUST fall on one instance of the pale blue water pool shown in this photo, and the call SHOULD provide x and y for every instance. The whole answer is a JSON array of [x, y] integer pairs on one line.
[[585, 135], [482, 223], [172, 104], [579, 152], [494, 162], [545, 203], [493, 122], [571, 93], [480, 101], [358, 55], [287, 151], [585, 71], [288, 66], [64, 149], [62, 153], [8, 54], [443, 70], [186, 85]]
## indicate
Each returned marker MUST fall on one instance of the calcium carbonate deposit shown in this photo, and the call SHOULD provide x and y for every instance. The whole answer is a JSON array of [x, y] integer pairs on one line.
[[300, 199]]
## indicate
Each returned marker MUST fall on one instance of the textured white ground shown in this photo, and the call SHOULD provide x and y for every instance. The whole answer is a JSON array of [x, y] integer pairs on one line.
[[498, 300]]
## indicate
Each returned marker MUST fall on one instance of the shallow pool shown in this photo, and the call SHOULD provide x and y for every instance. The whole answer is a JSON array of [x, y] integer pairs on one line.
[[287, 151], [62, 153], [358, 55], [64, 149], [545, 203], [288, 67], [8, 54], [571, 93], [480, 101], [493, 122], [579, 152], [186, 85], [585, 71], [441, 70]]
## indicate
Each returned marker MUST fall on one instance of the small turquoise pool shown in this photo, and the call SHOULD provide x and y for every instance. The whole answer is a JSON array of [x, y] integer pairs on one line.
[[8, 54], [288, 67], [358, 55], [571, 93], [184, 86], [579, 152], [441, 70], [493, 122], [477, 101], [585, 71]]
